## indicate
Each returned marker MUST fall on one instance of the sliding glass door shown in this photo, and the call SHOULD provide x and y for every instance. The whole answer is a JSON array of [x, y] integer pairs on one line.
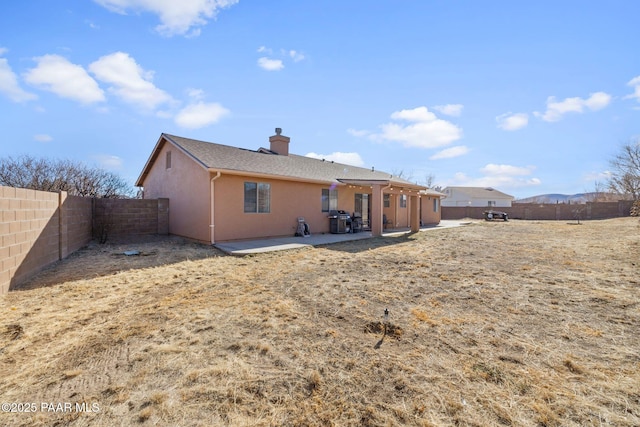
[[363, 207]]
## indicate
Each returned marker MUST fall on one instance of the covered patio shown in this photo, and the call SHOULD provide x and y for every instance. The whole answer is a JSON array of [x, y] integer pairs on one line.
[[379, 188]]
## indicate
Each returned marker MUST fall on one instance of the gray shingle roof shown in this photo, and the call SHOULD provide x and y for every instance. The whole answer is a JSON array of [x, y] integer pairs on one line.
[[224, 157]]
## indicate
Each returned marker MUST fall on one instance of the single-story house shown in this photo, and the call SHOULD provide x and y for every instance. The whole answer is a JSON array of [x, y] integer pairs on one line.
[[476, 197], [221, 193]]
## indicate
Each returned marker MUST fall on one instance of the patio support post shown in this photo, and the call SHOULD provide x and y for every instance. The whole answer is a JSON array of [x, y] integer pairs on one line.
[[376, 209], [415, 216]]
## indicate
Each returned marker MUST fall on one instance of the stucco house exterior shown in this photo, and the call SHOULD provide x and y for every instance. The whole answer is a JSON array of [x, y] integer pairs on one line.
[[476, 197], [430, 204], [221, 193]]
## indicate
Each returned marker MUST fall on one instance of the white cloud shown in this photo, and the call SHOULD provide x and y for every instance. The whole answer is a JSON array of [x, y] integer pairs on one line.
[[200, 114], [182, 17], [352, 159], [556, 109], [425, 130], [450, 109], [3, 50], [270, 64], [598, 101], [129, 81], [9, 85], [449, 153], [511, 121], [273, 63], [108, 162], [91, 24], [635, 84], [506, 170], [196, 94], [296, 56], [499, 177], [42, 137], [598, 176], [358, 133], [419, 114], [498, 182], [56, 74]]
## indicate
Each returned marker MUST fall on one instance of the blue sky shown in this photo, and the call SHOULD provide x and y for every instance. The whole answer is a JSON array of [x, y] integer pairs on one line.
[[527, 97]]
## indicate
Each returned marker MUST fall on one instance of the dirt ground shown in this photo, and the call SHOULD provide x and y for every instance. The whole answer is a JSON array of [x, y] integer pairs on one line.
[[517, 323]]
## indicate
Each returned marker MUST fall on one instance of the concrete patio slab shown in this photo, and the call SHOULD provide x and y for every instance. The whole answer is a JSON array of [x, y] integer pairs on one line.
[[247, 247]]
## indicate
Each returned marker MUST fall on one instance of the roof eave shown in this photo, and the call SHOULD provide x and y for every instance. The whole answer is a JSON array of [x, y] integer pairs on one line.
[[150, 161], [338, 181], [429, 192], [385, 182], [154, 155], [271, 176]]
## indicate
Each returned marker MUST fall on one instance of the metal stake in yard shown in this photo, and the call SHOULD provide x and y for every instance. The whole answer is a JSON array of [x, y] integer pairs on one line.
[[386, 320]]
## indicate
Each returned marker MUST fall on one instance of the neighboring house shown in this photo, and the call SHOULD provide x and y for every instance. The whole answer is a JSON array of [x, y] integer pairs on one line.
[[222, 193], [476, 197]]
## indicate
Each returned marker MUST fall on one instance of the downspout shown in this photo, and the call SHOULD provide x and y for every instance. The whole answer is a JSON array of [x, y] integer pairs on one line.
[[212, 225]]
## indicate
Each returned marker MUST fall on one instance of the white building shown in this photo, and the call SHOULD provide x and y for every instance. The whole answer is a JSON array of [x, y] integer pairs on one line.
[[476, 197]]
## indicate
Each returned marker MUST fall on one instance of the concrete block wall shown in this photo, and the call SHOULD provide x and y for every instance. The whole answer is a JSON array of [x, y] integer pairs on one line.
[[30, 233], [130, 217], [77, 223], [38, 228], [535, 211], [163, 216], [609, 209]]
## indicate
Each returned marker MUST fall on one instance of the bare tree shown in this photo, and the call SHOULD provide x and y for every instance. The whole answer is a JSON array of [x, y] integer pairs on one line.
[[407, 176], [625, 174], [429, 182], [62, 175], [601, 193]]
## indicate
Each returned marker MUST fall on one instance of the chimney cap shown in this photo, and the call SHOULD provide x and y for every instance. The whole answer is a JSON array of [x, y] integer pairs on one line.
[[278, 131]]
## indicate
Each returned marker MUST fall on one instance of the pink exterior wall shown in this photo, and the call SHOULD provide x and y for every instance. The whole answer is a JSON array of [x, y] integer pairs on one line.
[[38, 228], [427, 214], [400, 217], [289, 200], [186, 185]]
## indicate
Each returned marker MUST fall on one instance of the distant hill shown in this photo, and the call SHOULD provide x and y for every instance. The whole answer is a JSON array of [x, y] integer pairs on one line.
[[559, 198]]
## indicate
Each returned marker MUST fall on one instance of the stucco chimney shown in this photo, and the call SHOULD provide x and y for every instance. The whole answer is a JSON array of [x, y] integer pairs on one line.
[[279, 143]]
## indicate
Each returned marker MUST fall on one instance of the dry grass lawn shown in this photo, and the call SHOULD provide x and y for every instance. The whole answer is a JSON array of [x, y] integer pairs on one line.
[[516, 324]]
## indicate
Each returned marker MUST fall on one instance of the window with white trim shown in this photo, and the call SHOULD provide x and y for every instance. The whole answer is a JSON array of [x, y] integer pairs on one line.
[[403, 200]]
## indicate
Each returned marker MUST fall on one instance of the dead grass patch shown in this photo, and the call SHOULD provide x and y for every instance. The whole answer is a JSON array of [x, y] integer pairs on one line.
[[544, 332]]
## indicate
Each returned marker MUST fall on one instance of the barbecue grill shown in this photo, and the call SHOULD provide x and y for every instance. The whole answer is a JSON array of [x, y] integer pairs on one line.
[[339, 222]]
